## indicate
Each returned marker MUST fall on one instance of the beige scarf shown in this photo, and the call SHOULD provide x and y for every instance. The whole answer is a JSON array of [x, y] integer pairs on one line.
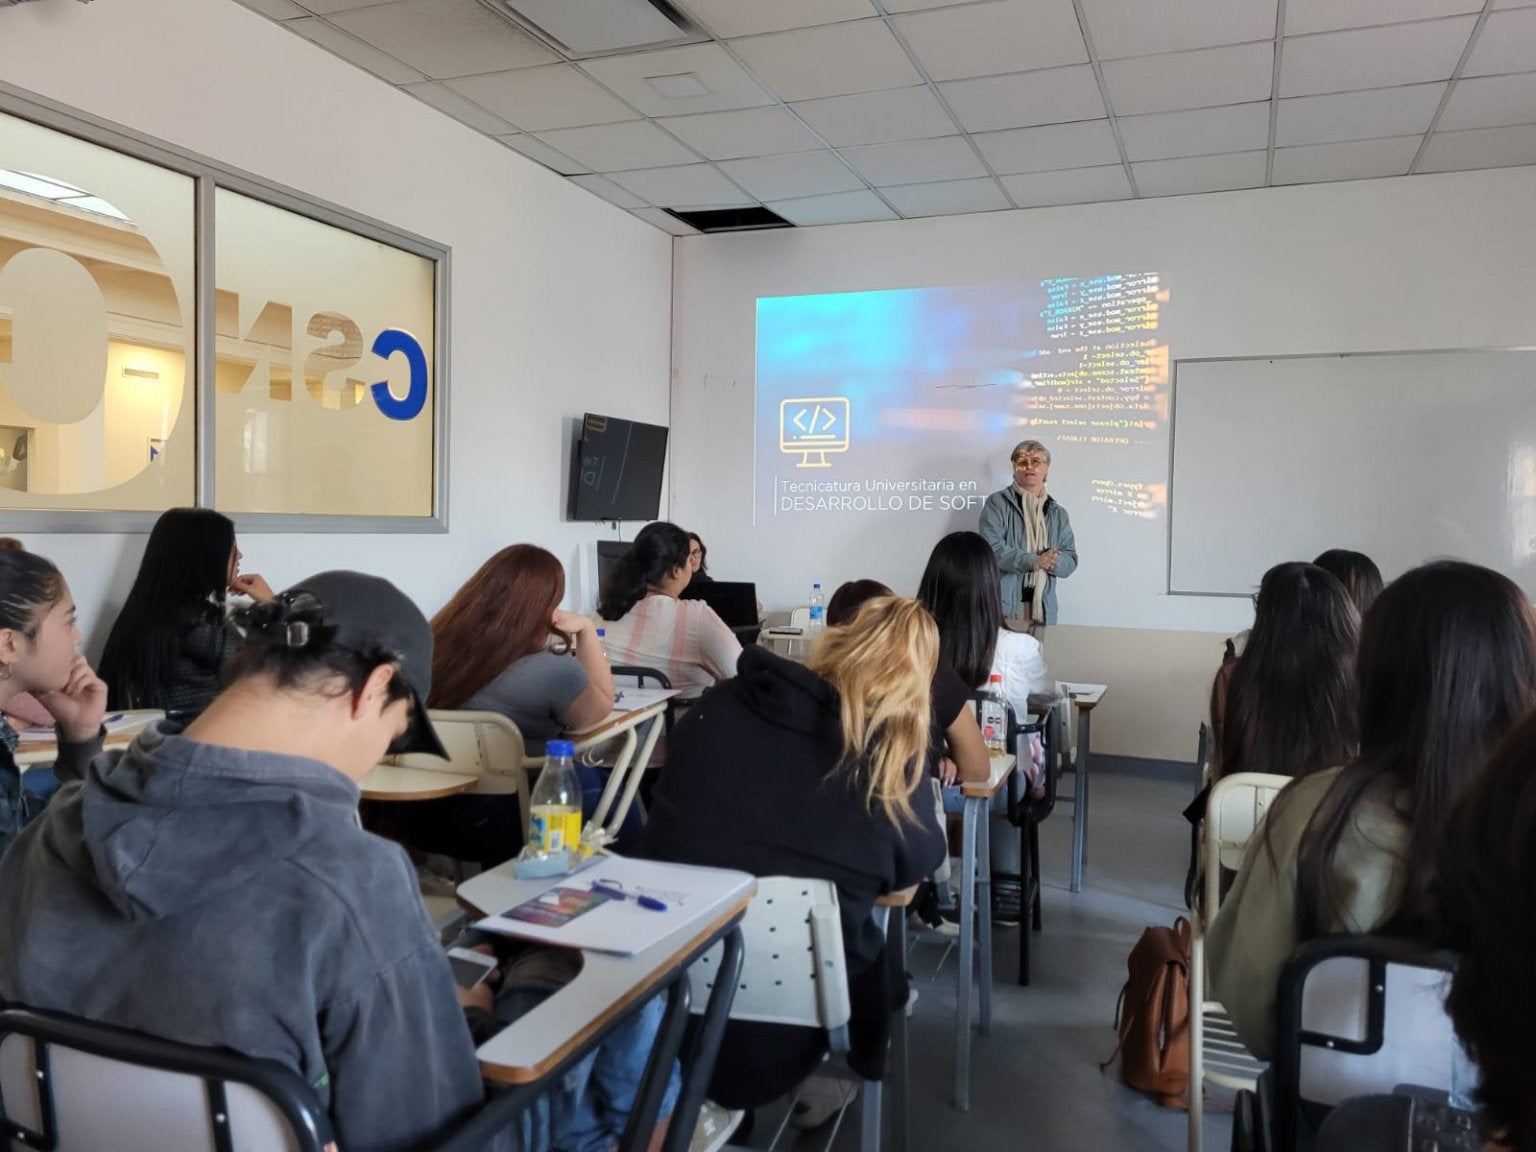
[[1038, 540]]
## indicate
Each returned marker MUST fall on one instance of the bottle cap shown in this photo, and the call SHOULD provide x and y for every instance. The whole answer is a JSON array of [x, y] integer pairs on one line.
[[560, 748], [815, 585], [995, 678], [601, 632]]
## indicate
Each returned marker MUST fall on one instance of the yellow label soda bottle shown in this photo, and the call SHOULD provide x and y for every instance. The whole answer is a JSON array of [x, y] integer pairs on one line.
[[555, 823]]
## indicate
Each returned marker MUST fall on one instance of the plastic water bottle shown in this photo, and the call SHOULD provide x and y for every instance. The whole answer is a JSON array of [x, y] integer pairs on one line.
[[555, 825], [818, 606], [602, 642], [994, 716]]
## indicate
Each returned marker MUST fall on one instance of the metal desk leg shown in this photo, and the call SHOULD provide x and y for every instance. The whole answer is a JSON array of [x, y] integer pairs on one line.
[[967, 956], [658, 1069], [1080, 803], [984, 910], [698, 1058], [896, 936]]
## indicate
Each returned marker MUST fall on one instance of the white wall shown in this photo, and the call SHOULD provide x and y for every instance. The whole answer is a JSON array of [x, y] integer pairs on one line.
[[560, 302], [1426, 262]]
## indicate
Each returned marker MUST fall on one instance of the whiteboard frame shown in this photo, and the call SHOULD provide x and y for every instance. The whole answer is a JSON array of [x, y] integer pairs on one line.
[[1173, 428]]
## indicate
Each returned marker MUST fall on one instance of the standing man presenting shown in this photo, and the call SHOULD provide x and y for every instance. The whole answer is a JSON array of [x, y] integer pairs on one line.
[[1032, 536]]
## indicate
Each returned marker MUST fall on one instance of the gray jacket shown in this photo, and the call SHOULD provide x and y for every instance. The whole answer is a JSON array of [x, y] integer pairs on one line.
[[1002, 524], [229, 898]]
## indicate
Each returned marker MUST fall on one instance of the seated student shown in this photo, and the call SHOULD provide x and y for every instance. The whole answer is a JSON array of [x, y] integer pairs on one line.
[[503, 644], [814, 770], [1357, 572], [170, 641], [646, 624], [38, 637], [22, 709], [212, 886], [1486, 872], [1447, 667]]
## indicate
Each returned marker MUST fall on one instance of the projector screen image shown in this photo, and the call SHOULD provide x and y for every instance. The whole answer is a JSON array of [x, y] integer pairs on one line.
[[905, 404]]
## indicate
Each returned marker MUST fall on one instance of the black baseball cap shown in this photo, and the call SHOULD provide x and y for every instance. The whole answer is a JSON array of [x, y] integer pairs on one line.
[[369, 612]]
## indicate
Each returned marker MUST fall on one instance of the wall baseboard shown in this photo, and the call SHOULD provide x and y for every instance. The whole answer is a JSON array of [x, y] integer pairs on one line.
[[1147, 768]]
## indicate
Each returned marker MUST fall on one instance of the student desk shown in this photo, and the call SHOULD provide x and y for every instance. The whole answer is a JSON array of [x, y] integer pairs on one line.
[[30, 753], [976, 889], [630, 764], [1084, 697], [536, 1047], [395, 782]]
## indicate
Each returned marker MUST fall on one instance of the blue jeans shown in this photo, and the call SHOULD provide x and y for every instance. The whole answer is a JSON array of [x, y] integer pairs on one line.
[[1004, 836]]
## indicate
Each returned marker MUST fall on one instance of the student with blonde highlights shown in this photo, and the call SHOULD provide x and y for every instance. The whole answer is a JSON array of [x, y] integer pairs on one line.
[[812, 771]]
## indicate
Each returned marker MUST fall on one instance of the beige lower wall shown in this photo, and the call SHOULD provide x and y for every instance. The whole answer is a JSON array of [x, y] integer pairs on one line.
[[1159, 685]]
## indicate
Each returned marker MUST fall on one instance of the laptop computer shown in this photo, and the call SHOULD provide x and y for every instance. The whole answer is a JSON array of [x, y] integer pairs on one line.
[[735, 602]]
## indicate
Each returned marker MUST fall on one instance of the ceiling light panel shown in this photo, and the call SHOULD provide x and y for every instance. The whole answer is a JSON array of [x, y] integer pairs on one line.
[[592, 26]]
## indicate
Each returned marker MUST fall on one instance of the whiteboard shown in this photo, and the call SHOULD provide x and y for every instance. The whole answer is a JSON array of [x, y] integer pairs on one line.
[[1404, 456]]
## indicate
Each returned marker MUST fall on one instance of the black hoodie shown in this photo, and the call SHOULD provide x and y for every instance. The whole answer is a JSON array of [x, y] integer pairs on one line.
[[228, 898]]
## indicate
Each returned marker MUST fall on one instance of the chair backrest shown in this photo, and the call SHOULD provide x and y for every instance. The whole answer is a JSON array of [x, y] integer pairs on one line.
[[1357, 1015], [484, 744], [639, 673], [78, 1086], [800, 617], [793, 970], [1236, 809]]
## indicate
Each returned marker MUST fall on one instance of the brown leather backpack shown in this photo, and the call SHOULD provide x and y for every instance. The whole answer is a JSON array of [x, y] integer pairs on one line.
[[1152, 1015]]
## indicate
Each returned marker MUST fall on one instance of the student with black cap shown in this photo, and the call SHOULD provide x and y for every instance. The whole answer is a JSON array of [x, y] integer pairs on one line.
[[213, 887]]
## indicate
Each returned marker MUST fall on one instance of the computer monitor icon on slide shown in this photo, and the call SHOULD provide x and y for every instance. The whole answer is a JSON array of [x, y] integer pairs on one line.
[[812, 427]]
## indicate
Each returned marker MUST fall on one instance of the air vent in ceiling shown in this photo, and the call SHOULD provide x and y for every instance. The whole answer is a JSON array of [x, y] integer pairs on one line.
[[582, 28], [731, 219]]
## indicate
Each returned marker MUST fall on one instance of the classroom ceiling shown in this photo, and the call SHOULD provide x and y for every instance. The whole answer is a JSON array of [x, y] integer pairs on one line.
[[833, 111]]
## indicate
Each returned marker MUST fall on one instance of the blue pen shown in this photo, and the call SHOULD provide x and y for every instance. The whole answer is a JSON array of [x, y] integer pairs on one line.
[[113, 719], [614, 889]]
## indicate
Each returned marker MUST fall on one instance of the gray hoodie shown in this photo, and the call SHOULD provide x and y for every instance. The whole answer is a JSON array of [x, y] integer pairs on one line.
[[228, 898]]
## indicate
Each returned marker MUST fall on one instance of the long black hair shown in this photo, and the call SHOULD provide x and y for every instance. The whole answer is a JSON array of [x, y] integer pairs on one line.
[[1290, 706], [1357, 572], [659, 549], [182, 579], [29, 587], [1447, 669], [962, 587]]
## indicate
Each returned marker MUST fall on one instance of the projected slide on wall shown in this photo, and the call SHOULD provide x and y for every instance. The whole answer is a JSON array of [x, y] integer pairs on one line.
[[904, 404]]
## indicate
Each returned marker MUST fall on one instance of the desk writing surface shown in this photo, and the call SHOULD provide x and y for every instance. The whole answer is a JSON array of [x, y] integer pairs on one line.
[[394, 782], [1083, 696], [1001, 767], [34, 752], [620, 720]]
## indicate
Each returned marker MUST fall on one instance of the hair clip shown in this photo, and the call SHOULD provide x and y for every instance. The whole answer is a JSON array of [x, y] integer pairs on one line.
[[296, 633]]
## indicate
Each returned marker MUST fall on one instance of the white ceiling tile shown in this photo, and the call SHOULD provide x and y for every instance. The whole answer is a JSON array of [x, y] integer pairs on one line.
[[728, 83], [665, 221], [1352, 160], [947, 198], [1201, 79], [1199, 132], [729, 18], [1496, 4], [1024, 99], [1491, 102], [1145, 27], [609, 191], [276, 9], [750, 132], [990, 39], [354, 51], [326, 7], [616, 147], [916, 161], [1303, 16], [445, 38], [917, 5], [786, 177], [1073, 186], [877, 117], [1048, 147], [535, 149], [1373, 57], [459, 108], [830, 61], [1357, 115], [536, 99], [1199, 174], [838, 208], [1479, 148], [691, 186], [1507, 44]]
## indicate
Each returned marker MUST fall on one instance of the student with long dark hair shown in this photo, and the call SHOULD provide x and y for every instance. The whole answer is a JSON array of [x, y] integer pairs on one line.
[[170, 641], [1357, 572], [1447, 668], [646, 623], [38, 641], [1486, 872], [1287, 705]]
